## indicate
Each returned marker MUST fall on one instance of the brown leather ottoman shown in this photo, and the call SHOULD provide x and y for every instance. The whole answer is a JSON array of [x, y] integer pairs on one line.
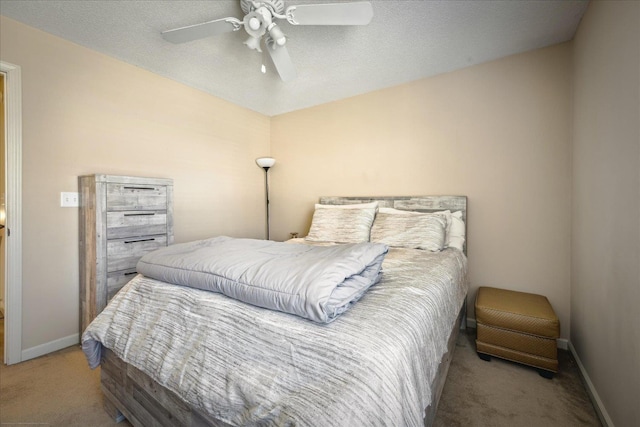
[[517, 326]]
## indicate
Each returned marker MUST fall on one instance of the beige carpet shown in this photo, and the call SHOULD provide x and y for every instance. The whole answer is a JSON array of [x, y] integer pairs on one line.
[[54, 390], [505, 394], [60, 390]]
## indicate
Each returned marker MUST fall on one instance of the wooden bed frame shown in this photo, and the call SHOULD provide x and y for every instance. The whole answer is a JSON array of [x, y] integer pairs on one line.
[[130, 393]]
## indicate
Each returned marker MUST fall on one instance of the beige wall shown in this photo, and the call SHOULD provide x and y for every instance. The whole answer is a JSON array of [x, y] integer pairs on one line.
[[85, 113], [499, 133], [605, 267]]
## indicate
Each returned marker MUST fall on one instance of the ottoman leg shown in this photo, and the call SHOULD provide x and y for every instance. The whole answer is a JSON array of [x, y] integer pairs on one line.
[[485, 357], [545, 374]]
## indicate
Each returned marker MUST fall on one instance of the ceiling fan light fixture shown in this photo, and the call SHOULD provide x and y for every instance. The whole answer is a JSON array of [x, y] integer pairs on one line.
[[276, 34], [253, 43], [255, 24]]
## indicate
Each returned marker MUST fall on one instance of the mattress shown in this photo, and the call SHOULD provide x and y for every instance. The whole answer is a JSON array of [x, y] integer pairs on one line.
[[247, 365]]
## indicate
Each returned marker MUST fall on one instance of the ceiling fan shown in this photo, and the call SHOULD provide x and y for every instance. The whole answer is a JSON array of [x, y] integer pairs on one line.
[[259, 23]]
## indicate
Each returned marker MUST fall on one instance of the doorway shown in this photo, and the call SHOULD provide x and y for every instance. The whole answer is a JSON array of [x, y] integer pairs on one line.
[[2, 212], [12, 190]]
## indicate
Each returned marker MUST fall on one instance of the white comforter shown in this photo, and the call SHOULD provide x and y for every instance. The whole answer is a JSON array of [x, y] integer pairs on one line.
[[247, 365]]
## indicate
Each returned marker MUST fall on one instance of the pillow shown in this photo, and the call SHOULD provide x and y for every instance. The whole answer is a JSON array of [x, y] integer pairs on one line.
[[397, 211], [455, 228], [342, 223], [413, 230], [456, 236], [447, 215]]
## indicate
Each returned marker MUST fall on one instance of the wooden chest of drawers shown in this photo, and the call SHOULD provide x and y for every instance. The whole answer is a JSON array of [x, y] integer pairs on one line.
[[121, 219]]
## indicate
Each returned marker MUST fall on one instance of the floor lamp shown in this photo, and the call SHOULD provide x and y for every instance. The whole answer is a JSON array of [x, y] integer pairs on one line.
[[266, 163]]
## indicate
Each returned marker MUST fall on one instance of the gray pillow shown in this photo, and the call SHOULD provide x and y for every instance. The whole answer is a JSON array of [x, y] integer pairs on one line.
[[342, 223], [413, 231]]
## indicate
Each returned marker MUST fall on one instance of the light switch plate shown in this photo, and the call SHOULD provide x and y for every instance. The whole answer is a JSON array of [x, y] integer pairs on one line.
[[69, 200]]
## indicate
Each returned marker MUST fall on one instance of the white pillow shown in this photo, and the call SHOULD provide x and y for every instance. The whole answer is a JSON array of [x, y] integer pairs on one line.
[[342, 223], [457, 234], [412, 230]]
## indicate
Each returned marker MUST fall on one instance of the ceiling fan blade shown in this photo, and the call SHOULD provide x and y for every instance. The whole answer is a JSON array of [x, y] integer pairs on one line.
[[358, 13], [200, 31], [282, 61]]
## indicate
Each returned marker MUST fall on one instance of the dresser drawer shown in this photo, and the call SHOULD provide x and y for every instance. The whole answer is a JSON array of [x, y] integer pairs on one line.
[[127, 197], [135, 223], [117, 279], [123, 254]]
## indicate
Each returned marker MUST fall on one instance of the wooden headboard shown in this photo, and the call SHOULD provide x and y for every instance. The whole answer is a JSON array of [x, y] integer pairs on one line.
[[410, 203]]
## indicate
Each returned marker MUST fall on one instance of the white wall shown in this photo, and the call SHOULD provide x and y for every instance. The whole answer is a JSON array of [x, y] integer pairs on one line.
[[605, 261]]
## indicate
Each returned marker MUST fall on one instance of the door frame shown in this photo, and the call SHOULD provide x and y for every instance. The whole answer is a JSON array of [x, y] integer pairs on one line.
[[13, 202]]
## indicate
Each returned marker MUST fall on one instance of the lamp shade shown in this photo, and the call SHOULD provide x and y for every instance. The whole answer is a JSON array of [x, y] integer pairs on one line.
[[266, 162]]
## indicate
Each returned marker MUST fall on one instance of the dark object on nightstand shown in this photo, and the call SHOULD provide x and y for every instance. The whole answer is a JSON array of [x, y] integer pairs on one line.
[[517, 326]]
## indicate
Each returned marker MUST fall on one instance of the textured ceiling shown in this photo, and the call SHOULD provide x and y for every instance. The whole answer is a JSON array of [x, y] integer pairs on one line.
[[406, 41]]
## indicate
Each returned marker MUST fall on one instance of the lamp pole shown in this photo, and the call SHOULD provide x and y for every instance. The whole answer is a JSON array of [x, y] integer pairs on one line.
[[266, 163], [266, 190]]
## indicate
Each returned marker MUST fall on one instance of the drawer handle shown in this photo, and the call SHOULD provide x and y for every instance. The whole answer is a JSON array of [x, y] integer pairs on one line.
[[140, 188], [130, 273], [139, 240], [140, 214]]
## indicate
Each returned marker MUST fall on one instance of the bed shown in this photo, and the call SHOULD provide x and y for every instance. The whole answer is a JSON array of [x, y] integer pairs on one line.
[[211, 360]]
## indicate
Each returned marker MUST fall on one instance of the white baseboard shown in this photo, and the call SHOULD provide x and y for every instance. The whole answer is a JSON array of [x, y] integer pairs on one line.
[[50, 347], [605, 419], [561, 343], [471, 323]]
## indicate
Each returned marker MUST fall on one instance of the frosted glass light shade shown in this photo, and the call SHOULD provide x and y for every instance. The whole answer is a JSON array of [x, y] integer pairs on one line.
[[266, 162]]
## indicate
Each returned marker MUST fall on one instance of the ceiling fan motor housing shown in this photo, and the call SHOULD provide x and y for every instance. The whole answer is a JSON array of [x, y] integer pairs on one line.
[[259, 19], [276, 6]]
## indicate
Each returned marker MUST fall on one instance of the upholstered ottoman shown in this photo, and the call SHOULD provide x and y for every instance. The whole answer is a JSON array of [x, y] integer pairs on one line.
[[517, 326]]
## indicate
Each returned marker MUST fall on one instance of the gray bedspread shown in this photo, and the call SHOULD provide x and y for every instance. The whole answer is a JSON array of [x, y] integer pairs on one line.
[[246, 365], [315, 282]]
